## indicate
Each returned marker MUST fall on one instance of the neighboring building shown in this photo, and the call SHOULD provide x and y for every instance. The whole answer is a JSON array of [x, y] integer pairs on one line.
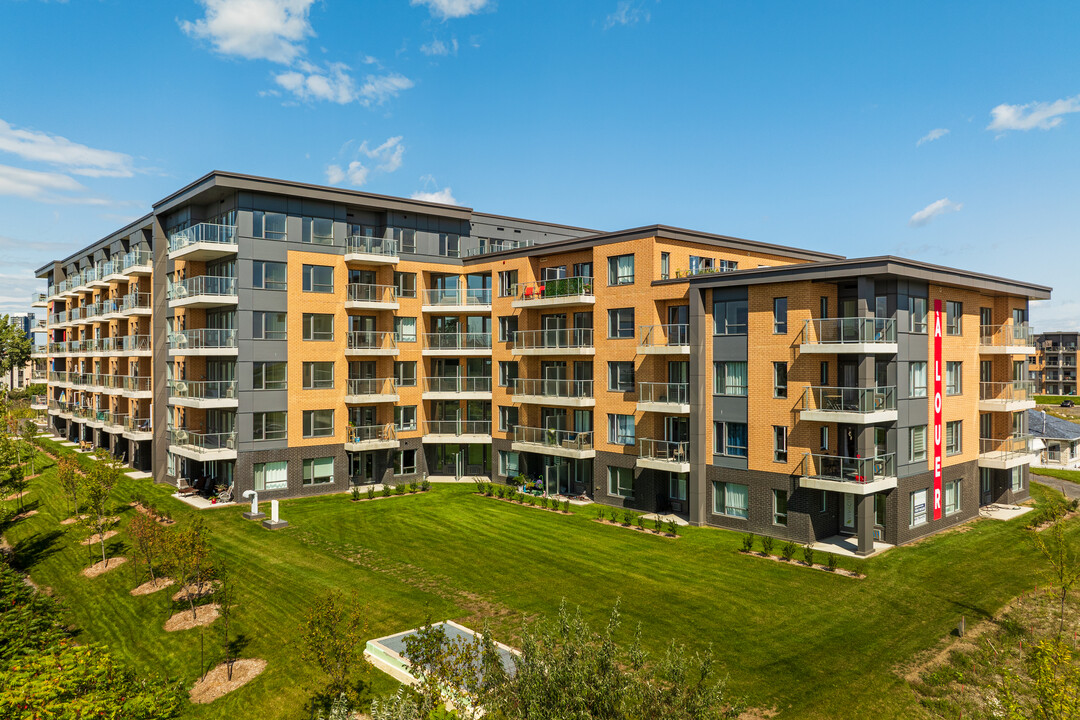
[[19, 377], [297, 339], [1059, 438], [1053, 366]]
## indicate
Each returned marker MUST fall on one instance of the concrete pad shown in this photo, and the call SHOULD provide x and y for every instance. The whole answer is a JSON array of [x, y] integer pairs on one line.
[[681, 522], [1003, 512], [847, 546], [254, 516], [271, 525], [140, 475], [202, 503]]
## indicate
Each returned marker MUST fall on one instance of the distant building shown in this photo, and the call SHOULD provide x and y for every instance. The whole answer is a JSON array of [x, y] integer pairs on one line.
[[1060, 437], [18, 378], [1053, 367]]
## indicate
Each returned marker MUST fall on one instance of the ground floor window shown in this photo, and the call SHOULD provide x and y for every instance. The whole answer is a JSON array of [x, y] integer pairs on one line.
[[1016, 479], [731, 499], [318, 471], [509, 463], [677, 485], [918, 508], [405, 462], [952, 497], [271, 475], [779, 507], [879, 509], [621, 482]]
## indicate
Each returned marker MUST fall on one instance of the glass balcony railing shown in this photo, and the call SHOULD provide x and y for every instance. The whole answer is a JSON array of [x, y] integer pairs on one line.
[[558, 389], [362, 244], [838, 331], [208, 233], [203, 389], [670, 451], [1007, 392], [663, 335], [203, 285], [560, 339], [368, 433], [136, 423], [202, 339], [457, 427], [491, 246], [135, 301], [571, 287], [370, 340], [550, 437], [135, 383], [994, 336], [849, 400], [849, 469], [37, 298], [469, 297], [135, 343], [135, 258], [370, 386], [457, 384], [202, 442], [110, 267], [1009, 448], [677, 393], [457, 341], [363, 292]]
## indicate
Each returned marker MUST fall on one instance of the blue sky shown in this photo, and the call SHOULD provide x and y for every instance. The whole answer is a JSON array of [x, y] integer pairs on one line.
[[945, 132]]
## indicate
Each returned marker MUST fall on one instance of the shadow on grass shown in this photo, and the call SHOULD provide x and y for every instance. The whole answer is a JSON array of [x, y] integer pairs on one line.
[[319, 705], [34, 549]]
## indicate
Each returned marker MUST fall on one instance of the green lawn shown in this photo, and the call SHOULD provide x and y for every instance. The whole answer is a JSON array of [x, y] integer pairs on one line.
[[811, 644], [1070, 475], [1054, 399]]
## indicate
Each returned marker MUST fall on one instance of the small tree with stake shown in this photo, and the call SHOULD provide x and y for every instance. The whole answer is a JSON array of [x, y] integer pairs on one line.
[[100, 482], [148, 538], [1064, 564], [30, 439], [69, 479], [331, 635], [190, 550], [227, 600]]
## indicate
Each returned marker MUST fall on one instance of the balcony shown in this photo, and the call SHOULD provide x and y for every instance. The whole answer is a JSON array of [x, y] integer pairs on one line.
[[136, 304], [105, 270], [110, 309], [664, 397], [860, 406], [39, 402], [555, 293], [371, 437], [849, 335], [1006, 340], [558, 393], [470, 300], [114, 422], [114, 384], [131, 345], [455, 388], [137, 262], [855, 476], [203, 393], [204, 341], [361, 391], [663, 455], [457, 431], [1007, 453], [663, 340], [548, 441], [39, 351], [564, 341], [457, 344], [202, 447], [371, 250], [487, 246], [204, 241], [38, 300], [361, 296], [203, 291], [96, 419], [1006, 396], [370, 343]]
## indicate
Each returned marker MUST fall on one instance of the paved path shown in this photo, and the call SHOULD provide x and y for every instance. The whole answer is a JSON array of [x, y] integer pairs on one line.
[[1071, 489]]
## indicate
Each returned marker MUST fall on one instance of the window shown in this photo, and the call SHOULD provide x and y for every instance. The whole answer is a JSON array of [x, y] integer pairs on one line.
[[508, 325], [917, 379], [952, 437], [918, 508], [318, 423], [508, 283], [729, 438], [268, 225], [621, 323], [405, 462], [954, 312], [824, 309], [621, 376], [267, 275], [268, 426], [917, 314], [318, 278], [318, 231], [405, 417], [1016, 479], [405, 329], [824, 437], [917, 444], [779, 375], [318, 375], [729, 378], [620, 270], [665, 265], [449, 245], [621, 429], [779, 443], [407, 237], [700, 264], [268, 325], [508, 372], [620, 482], [318, 326], [952, 497], [318, 471], [824, 374], [953, 377], [732, 499], [779, 316], [779, 507], [270, 475], [268, 376], [583, 270], [678, 485], [508, 463], [405, 373], [729, 317], [405, 284], [508, 418]]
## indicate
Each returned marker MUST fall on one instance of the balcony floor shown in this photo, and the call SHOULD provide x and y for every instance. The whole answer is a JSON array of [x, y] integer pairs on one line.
[[557, 450], [845, 486], [853, 418], [849, 348], [574, 402]]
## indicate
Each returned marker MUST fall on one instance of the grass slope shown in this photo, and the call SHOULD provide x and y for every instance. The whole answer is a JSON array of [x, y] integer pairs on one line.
[[811, 644]]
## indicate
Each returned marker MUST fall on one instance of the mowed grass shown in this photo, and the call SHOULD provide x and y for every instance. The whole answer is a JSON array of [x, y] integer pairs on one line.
[[810, 644], [1070, 475]]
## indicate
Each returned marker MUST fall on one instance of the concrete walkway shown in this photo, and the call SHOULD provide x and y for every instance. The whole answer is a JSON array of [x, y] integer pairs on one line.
[[1071, 489]]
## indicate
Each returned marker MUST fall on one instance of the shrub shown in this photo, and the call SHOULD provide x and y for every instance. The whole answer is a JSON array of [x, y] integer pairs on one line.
[[532, 500], [387, 491], [641, 522], [832, 563], [808, 555], [600, 512], [425, 485], [673, 527], [356, 493], [628, 517], [413, 487], [489, 489], [657, 522], [566, 506], [399, 489], [479, 485], [788, 551], [371, 492], [748, 542], [499, 492], [766, 544]]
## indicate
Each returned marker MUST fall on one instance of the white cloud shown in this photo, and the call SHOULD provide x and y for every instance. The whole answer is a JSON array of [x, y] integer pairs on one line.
[[332, 83], [355, 173], [388, 156], [377, 89], [627, 12], [935, 134], [273, 30], [55, 150], [46, 187], [1040, 115], [438, 47], [444, 196], [447, 9], [931, 211]]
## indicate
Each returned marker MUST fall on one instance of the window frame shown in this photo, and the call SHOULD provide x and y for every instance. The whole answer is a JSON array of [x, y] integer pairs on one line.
[[780, 443], [780, 313], [259, 279], [617, 321], [618, 434], [912, 432], [260, 484], [917, 326], [400, 322], [957, 430], [720, 501], [614, 278], [780, 384], [307, 331], [506, 377], [400, 379], [406, 289], [954, 316], [616, 488], [307, 378], [722, 439], [954, 385], [721, 315], [401, 468], [616, 368], [308, 477], [780, 518], [955, 484], [309, 425], [309, 279], [258, 325], [258, 423], [262, 365], [720, 386], [258, 225], [400, 413], [917, 390]]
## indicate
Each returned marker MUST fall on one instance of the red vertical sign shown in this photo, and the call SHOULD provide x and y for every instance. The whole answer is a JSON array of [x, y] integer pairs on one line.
[[938, 393]]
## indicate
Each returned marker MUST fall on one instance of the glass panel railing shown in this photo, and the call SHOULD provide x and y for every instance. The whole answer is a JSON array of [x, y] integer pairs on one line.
[[550, 437], [1011, 335], [1005, 449], [649, 392], [831, 331], [115, 420], [663, 335], [111, 267], [362, 244], [202, 441], [459, 296], [491, 246], [202, 233], [363, 292], [202, 339], [850, 400], [849, 469], [457, 384], [370, 340], [136, 423], [664, 450], [135, 258], [1015, 391], [202, 285], [560, 288], [135, 301], [37, 298], [457, 341], [457, 427], [363, 433], [565, 338], [135, 343], [135, 383], [370, 386], [554, 388], [203, 389]]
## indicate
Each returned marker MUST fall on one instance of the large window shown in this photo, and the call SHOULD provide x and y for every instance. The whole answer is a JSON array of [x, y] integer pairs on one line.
[[318, 231], [268, 225], [1016, 479], [917, 379], [405, 329], [729, 317], [620, 270], [678, 485], [917, 444], [508, 280], [318, 326], [449, 245], [621, 323], [405, 462], [405, 284], [405, 373], [508, 325], [917, 314], [954, 313], [268, 325], [779, 379], [268, 376], [952, 438], [268, 426], [665, 265], [318, 423], [779, 316], [621, 429], [508, 372], [953, 377], [318, 278], [620, 482], [405, 417], [732, 499], [270, 475], [266, 275], [918, 508], [318, 471], [318, 375], [509, 463], [729, 438], [779, 507], [621, 376], [508, 418], [729, 377], [779, 443], [952, 497]]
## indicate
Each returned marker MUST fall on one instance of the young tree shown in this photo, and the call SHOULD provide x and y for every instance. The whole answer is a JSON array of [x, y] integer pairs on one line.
[[14, 345], [330, 636], [227, 602], [190, 551], [467, 673], [69, 478], [17, 483], [148, 539], [100, 481], [30, 440], [1064, 564]]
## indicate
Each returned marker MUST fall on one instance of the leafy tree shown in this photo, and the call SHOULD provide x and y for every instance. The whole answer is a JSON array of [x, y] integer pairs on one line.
[[14, 345], [331, 637], [190, 552], [29, 436], [148, 540], [70, 479], [1064, 564], [468, 673], [1050, 689], [17, 482], [100, 481], [227, 600], [29, 621]]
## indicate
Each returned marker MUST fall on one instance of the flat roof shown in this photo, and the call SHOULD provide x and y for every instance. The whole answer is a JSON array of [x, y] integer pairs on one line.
[[96, 245]]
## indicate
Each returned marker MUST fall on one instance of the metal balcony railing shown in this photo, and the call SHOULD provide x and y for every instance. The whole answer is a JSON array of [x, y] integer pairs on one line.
[[550, 437], [202, 233], [829, 331], [135, 343], [663, 335], [458, 341], [362, 244], [560, 288], [650, 392], [849, 400], [476, 297], [203, 285], [135, 423], [202, 339], [490, 246], [135, 383], [135, 301], [370, 340], [1015, 391], [554, 388], [849, 469], [202, 441], [1011, 335], [1006, 448], [135, 258], [363, 292], [203, 389], [457, 384], [370, 386], [457, 427], [565, 338], [364, 433], [650, 449]]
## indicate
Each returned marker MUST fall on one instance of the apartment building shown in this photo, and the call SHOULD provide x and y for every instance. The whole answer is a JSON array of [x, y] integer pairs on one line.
[[1053, 366], [297, 340]]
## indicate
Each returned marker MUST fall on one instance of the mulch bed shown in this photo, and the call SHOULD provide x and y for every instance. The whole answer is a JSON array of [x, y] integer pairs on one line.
[[72, 520], [217, 683], [93, 539], [147, 511], [379, 496], [197, 591], [152, 586], [25, 514], [799, 563], [524, 504], [99, 567], [648, 531], [16, 496], [183, 620]]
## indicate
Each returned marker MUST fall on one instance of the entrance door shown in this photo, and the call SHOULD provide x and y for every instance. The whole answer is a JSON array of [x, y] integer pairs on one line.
[[362, 467], [986, 485], [678, 317], [554, 327], [848, 520]]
